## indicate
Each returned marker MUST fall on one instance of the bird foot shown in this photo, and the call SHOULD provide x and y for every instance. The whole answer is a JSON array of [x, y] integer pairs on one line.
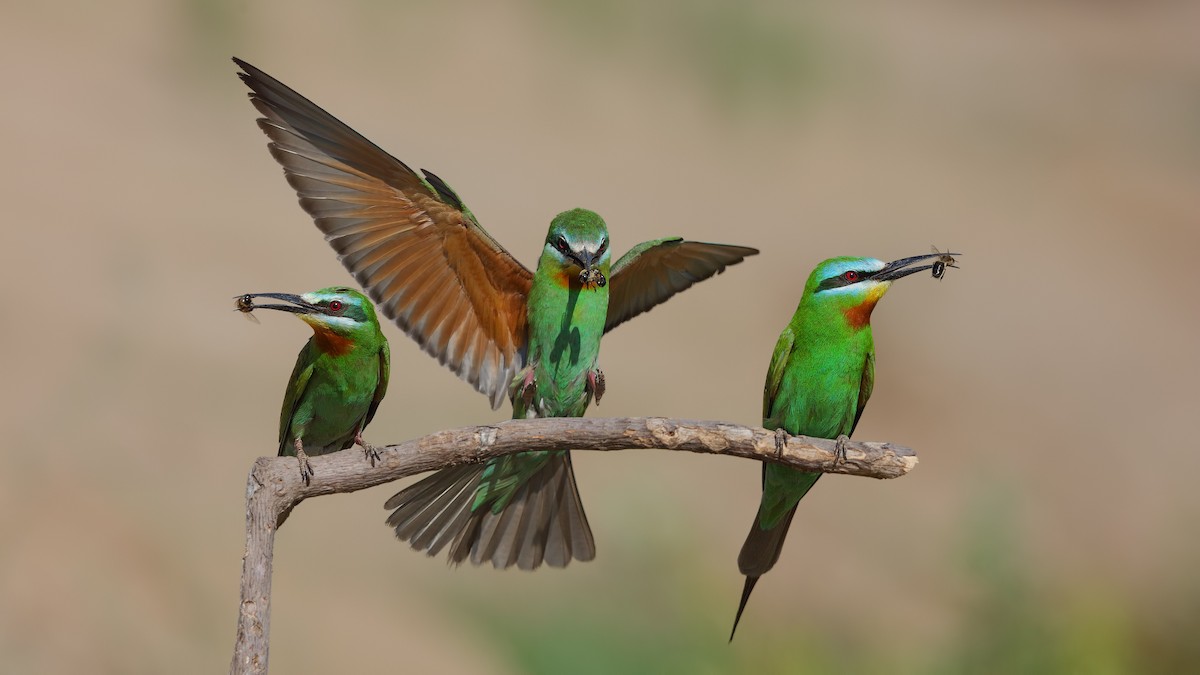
[[370, 452], [526, 385], [595, 382], [306, 470], [781, 439], [839, 449]]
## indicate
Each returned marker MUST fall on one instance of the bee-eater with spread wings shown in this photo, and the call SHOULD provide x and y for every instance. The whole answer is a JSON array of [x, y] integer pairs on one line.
[[532, 336]]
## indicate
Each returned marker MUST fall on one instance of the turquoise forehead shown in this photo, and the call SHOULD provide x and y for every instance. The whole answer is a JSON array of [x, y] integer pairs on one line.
[[835, 266], [340, 291], [579, 225]]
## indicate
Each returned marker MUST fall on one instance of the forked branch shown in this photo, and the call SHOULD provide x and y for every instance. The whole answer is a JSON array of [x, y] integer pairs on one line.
[[274, 487]]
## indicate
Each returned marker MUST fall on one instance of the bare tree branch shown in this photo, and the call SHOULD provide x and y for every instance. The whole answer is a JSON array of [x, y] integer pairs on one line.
[[274, 487]]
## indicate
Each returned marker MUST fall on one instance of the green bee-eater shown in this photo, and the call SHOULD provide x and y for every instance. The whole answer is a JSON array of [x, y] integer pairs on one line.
[[820, 378], [340, 376], [533, 337]]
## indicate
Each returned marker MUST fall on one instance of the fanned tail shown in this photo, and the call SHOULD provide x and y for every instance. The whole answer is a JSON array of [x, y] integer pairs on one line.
[[543, 522], [430, 513]]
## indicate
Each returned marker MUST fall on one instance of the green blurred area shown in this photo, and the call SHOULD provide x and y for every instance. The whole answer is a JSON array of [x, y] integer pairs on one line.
[[1048, 385], [1010, 620]]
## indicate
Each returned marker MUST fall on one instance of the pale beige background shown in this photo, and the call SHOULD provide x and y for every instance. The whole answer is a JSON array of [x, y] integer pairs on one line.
[[1048, 385]]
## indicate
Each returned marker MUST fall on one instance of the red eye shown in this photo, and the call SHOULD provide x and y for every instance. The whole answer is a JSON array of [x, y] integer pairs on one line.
[[850, 276], [335, 305]]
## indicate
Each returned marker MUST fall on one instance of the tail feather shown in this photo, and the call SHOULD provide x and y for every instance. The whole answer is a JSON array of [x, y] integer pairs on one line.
[[532, 543], [443, 513], [762, 548], [558, 541], [746, 589], [524, 544], [496, 534], [425, 512], [543, 522], [574, 522], [758, 555], [468, 532]]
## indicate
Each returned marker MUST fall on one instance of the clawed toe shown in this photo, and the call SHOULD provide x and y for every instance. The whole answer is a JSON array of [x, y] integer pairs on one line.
[[306, 470], [526, 386], [781, 439], [839, 449]]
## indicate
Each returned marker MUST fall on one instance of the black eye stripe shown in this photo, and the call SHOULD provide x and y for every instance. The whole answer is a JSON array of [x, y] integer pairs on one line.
[[839, 280]]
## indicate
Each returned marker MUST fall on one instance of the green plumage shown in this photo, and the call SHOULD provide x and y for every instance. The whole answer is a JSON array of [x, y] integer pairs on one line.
[[414, 246], [524, 509], [566, 321], [340, 377], [331, 398], [820, 378]]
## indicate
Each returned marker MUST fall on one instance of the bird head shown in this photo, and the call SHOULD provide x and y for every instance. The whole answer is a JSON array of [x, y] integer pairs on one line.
[[578, 243], [339, 316], [854, 285]]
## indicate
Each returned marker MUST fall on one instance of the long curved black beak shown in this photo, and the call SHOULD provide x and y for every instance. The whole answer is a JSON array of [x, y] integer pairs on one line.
[[245, 303], [906, 266]]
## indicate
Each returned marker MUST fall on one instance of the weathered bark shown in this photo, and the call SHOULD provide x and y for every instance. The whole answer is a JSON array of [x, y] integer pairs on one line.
[[274, 487]]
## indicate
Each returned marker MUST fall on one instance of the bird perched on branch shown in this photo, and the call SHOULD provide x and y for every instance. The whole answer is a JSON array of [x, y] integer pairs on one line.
[[820, 378], [341, 374], [533, 337]]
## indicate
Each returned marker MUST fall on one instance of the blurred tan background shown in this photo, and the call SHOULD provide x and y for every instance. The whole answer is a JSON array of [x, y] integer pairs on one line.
[[1048, 385]]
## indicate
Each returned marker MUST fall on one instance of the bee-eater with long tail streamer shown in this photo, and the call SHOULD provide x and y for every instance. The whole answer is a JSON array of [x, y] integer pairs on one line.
[[340, 376], [531, 336], [820, 378]]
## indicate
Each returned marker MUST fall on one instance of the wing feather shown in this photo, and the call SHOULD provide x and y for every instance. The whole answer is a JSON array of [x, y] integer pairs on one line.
[[779, 361], [653, 271], [865, 386], [297, 384], [417, 251], [385, 371]]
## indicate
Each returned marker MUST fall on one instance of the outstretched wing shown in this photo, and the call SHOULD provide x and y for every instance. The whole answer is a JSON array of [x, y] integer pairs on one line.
[[655, 270], [409, 240]]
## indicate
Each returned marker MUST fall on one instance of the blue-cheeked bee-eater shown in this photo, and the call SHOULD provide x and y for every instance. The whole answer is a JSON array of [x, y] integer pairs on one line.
[[341, 374], [821, 375]]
